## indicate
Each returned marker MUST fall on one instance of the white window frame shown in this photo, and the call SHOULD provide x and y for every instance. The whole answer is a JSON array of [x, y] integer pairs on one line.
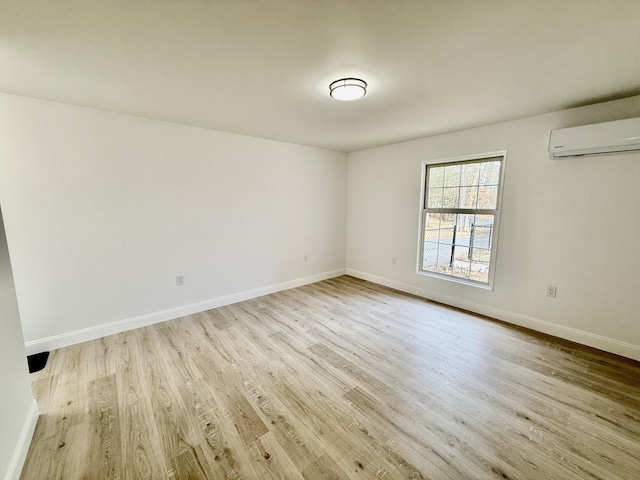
[[496, 228]]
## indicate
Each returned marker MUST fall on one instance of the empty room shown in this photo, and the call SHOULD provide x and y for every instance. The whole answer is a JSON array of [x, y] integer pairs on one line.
[[319, 239]]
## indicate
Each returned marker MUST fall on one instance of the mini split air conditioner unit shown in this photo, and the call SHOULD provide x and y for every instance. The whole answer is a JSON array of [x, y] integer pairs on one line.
[[597, 139]]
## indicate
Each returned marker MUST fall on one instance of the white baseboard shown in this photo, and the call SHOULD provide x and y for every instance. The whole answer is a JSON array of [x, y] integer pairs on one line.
[[607, 344], [91, 333], [22, 446]]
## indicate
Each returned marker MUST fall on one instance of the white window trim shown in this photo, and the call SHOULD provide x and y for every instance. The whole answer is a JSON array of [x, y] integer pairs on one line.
[[494, 246]]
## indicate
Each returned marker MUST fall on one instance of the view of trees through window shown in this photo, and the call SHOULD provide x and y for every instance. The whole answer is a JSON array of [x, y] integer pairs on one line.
[[460, 214]]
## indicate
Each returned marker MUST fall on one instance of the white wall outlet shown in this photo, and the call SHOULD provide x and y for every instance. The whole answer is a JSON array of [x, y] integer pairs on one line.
[[551, 291], [179, 279], [394, 261], [305, 258]]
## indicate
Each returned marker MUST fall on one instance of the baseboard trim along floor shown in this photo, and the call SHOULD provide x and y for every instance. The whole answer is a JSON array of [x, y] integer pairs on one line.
[[600, 342], [98, 331]]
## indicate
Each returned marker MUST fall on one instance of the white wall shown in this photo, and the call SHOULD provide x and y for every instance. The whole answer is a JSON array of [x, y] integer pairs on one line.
[[103, 210], [571, 223], [18, 411]]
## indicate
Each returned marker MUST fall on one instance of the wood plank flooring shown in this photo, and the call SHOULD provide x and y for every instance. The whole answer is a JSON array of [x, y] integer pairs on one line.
[[342, 379]]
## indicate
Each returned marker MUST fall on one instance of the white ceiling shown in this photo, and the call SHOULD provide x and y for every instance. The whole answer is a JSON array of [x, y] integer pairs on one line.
[[262, 67]]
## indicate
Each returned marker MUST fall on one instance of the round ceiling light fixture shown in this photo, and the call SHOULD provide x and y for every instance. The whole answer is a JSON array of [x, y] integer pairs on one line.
[[347, 89]]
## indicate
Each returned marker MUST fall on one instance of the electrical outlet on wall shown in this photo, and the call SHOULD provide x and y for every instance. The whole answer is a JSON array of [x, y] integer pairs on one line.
[[551, 291], [394, 261], [179, 279], [305, 258]]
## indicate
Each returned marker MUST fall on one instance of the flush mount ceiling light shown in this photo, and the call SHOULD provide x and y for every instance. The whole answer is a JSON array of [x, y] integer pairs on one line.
[[348, 89]]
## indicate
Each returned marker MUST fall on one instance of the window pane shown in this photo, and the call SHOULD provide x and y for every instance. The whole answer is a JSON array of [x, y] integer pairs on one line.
[[444, 257], [450, 199], [468, 197], [483, 231], [489, 173], [435, 198], [432, 227], [461, 262], [480, 247], [433, 220], [484, 221], [488, 197], [470, 174], [458, 245], [436, 176], [452, 175], [494, 173], [447, 225], [464, 223], [430, 256], [479, 272], [432, 235]]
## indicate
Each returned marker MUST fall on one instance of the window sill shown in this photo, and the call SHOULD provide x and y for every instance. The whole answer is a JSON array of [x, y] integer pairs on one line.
[[462, 281]]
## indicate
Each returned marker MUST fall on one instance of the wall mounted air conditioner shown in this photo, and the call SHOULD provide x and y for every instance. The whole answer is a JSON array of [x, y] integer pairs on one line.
[[596, 139]]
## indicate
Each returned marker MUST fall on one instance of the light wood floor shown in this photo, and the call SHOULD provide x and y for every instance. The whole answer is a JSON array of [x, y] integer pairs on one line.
[[342, 379]]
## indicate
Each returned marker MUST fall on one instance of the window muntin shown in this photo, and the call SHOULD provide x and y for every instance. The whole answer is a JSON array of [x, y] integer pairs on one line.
[[460, 219]]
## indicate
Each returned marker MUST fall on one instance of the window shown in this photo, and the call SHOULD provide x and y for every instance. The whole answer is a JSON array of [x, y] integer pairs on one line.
[[460, 218]]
